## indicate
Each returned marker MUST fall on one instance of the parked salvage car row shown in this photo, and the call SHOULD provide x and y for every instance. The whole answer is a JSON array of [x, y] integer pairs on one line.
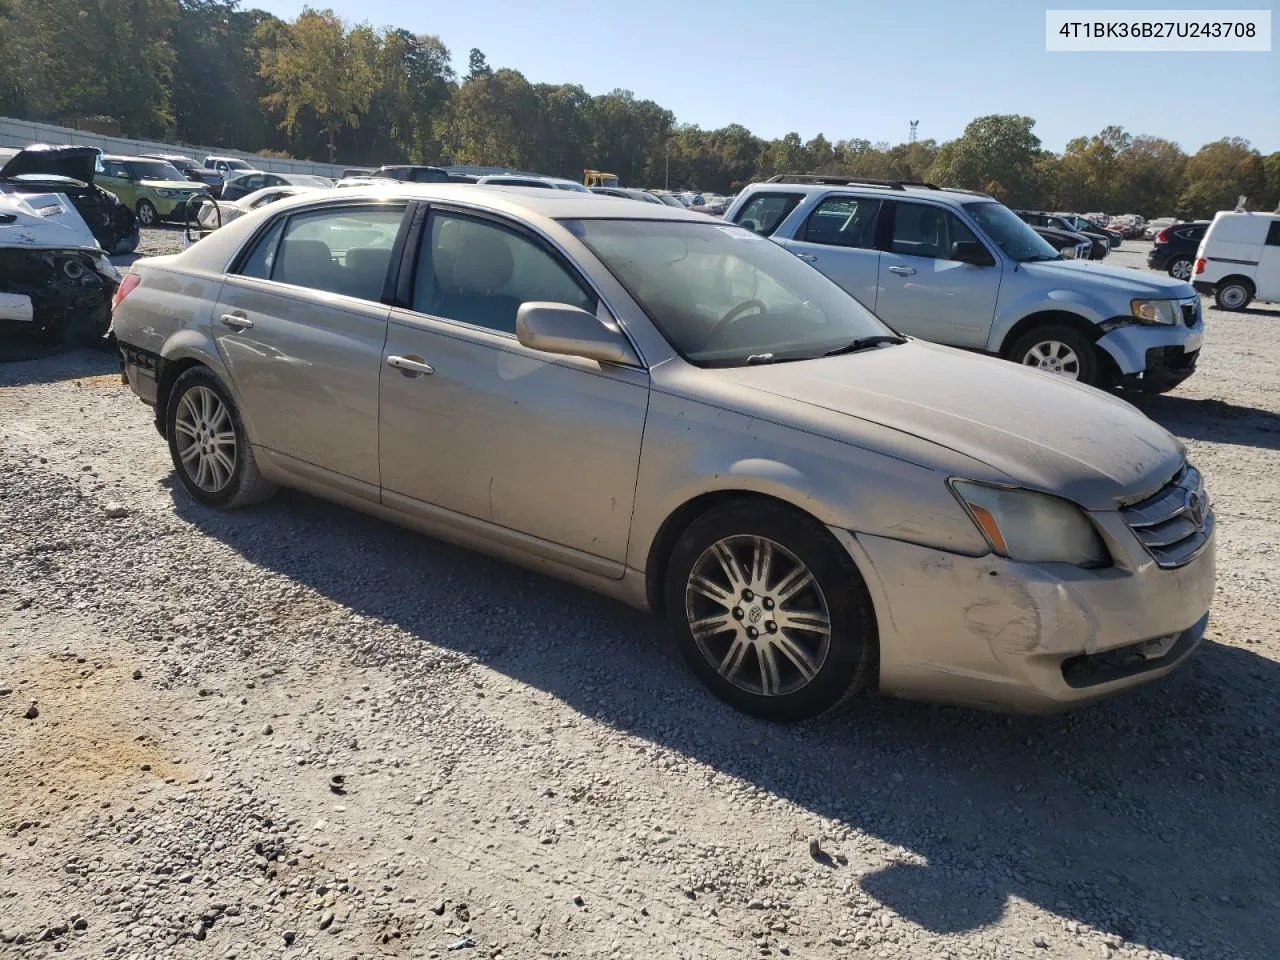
[[702, 421]]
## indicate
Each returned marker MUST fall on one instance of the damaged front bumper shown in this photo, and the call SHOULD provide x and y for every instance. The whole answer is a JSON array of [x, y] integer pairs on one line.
[[1030, 637], [52, 296]]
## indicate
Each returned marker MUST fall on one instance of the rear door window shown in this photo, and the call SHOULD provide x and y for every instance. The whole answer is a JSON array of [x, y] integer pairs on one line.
[[1273, 234], [843, 222], [345, 250], [764, 212]]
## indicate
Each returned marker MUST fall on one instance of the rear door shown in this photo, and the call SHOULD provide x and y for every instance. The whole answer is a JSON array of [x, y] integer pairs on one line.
[[1269, 264], [926, 294], [115, 177], [839, 239], [300, 324]]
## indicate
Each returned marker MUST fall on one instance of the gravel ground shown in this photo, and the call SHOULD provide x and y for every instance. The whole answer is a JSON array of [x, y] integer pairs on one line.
[[294, 731]]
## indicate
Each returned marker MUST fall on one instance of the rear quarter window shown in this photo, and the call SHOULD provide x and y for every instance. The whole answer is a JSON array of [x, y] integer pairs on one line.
[[764, 212], [1273, 234]]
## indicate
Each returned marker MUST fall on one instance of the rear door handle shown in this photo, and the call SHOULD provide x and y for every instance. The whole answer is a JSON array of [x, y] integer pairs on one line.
[[806, 257], [902, 271], [410, 366], [236, 321]]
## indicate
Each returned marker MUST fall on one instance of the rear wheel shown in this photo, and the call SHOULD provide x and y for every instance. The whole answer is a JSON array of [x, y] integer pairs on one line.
[[769, 611], [1180, 268], [147, 215], [1234, 293], [1060, 350], [208, 443]]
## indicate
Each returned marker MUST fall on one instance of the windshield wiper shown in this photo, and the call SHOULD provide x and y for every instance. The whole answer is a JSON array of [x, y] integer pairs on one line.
[[862, 343]]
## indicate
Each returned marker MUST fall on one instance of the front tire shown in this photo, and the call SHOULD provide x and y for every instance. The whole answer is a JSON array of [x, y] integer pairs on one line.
[[770, 612], [1233, 294], [146, 212], [208, 443], [1059, 350], [1180, 268]]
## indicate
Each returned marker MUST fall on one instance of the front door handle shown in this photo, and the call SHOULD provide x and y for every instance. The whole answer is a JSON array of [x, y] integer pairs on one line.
[[902, 271], [806, 257], [411, 366], [236, 321]]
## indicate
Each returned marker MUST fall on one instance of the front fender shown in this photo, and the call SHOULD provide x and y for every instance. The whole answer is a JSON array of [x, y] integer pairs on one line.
[[692, 449], [1015, 305]]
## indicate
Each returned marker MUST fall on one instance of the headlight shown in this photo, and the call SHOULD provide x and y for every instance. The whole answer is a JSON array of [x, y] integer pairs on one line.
[[1154, 311], [1032, 527], [1071, 253]]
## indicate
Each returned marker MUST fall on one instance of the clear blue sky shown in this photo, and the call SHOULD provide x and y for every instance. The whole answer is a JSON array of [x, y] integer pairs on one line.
[[851, 68]]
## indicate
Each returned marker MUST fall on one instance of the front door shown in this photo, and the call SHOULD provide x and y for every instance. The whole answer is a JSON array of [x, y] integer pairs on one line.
[[839, 239], [476, 423], [926, 294], [300, 327]]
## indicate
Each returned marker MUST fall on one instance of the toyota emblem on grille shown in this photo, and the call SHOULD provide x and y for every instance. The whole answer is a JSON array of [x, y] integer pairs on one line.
[[1196, 506]]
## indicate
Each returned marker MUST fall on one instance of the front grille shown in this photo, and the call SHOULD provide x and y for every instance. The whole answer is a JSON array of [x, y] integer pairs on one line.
[[1175, 523], [1190, 312]]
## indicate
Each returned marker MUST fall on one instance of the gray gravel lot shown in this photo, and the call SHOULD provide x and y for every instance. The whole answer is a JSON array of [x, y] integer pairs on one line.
[[527, 771]]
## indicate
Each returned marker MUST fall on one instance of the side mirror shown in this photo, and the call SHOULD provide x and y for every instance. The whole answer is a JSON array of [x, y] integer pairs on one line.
[[972, 252], [571, 331]]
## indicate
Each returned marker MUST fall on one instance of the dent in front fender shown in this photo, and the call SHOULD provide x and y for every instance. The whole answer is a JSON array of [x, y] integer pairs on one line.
[[1128, 345]]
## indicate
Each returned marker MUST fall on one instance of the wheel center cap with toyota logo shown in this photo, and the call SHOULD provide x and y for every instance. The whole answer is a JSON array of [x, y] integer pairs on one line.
[[754, 614]]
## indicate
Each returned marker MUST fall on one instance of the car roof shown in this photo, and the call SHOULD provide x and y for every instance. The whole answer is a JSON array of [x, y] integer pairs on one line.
[[553, 204], [950, 196]]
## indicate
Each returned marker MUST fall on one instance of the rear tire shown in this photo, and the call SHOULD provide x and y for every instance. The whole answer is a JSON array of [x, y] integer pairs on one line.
[[1060, 350], [770, 612], [1180, 268], [208, 443], [1234, 293]]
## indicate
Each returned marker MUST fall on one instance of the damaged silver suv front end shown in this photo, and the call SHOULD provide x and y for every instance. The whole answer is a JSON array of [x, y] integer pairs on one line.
[[56, 283]]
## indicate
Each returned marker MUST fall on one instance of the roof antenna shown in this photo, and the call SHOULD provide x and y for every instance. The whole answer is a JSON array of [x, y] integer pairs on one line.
[[1240, 204]]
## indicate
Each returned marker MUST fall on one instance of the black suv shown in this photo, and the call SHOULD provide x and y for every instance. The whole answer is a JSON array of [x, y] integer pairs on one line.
[[412, 173], [1175, 248], [1037, 218]]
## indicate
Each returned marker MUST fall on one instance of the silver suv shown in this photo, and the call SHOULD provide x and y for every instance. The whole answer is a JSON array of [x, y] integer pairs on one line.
[[960, 268]]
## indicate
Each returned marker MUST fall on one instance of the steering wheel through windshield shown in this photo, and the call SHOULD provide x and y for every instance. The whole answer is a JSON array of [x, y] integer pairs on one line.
[[736, 312]]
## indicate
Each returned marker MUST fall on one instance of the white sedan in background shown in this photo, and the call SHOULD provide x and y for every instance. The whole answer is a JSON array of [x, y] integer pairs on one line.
[[216, 213]]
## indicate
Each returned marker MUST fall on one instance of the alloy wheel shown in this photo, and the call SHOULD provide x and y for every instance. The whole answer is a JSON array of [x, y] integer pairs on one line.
[[1054, 356], [758, 615], [1180, 270], [205, 439]]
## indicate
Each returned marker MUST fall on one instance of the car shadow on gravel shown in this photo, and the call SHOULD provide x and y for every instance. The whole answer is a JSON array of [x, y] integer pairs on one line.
[[1152, 817], [1214, 420], [23, 364]]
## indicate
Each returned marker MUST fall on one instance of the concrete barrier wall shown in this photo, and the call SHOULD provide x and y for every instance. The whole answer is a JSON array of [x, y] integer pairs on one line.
[[22, 133]]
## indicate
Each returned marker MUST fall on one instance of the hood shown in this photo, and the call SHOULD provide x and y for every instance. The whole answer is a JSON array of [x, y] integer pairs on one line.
[[35, 221], [1038, 430], [65, 161], [1123, 281], [184, 185]]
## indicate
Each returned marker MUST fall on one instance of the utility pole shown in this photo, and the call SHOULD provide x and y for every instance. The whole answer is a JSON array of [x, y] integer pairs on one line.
[[666, 176], [914, 124]]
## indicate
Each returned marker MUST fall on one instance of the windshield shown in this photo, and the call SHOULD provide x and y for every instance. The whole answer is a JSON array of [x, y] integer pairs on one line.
[[1014, 237], [671, 201], [307, 180], [153, 170], [723, 296]]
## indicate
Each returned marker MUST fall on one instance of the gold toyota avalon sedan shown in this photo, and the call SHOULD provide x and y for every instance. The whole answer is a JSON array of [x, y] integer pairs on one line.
[[673, 411]]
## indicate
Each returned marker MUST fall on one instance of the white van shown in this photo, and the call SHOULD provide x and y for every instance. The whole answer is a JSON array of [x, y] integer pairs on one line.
[[1239, 259]]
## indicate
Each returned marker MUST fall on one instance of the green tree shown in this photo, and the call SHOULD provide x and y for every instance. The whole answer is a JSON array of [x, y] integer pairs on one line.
[[996, 153], [494, 120], [109, 57], [1218, 175], [323, 69], [1271, 170]]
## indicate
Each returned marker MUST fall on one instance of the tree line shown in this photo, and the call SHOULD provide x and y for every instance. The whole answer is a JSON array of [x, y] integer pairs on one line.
[[318, 88]]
